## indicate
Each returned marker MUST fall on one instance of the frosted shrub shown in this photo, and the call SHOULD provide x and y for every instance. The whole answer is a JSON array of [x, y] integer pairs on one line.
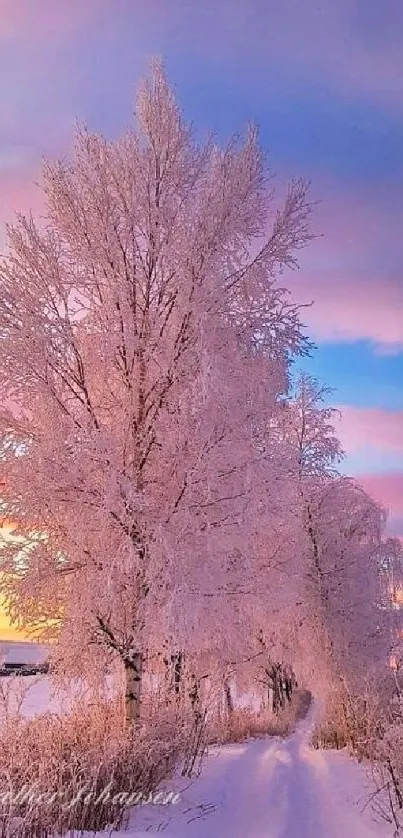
[[80, 771], [387, 769], [353, 719]]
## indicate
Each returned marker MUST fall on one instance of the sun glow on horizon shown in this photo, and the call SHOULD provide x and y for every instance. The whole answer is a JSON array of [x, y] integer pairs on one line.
[[8, 631]]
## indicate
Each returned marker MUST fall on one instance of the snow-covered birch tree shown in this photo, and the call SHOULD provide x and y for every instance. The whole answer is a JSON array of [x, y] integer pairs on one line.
[[142, 330]]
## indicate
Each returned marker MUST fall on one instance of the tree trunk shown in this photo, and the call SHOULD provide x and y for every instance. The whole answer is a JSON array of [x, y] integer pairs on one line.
[[133, 675], [177, 662], [194, 695], [228, 697], [278, 698]]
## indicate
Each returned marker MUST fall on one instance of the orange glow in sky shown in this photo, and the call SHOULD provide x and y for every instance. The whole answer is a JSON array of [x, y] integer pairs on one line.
[[8, 632]]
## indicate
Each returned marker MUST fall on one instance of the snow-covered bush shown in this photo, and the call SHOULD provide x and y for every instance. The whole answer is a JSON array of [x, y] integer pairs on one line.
[[353, 718], [82, 770]]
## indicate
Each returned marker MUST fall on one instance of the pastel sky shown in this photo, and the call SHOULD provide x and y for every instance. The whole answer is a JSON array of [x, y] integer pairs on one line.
[[323, 79]]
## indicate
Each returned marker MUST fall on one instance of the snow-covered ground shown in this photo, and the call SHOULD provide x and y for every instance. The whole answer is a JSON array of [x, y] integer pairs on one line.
[[35, 694], [265, 788], [268, 788]]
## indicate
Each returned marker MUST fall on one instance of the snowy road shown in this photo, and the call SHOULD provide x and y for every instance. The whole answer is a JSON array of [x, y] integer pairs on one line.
[[269, 789]]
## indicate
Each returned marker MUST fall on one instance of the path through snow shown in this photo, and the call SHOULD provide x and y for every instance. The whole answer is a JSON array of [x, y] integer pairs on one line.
[[268, 789]]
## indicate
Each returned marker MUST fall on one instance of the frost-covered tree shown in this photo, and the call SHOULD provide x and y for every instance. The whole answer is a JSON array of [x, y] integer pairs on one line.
[[308, 421], [143, 335], [348, 527], [341, 630], [389, 558]]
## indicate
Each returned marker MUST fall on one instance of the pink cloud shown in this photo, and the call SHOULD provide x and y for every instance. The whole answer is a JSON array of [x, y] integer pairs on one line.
[[347, 308], [20, 188], [386, 488], [24, 19], [359, 426], [19, 192], [352, 272], [373, 430]]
